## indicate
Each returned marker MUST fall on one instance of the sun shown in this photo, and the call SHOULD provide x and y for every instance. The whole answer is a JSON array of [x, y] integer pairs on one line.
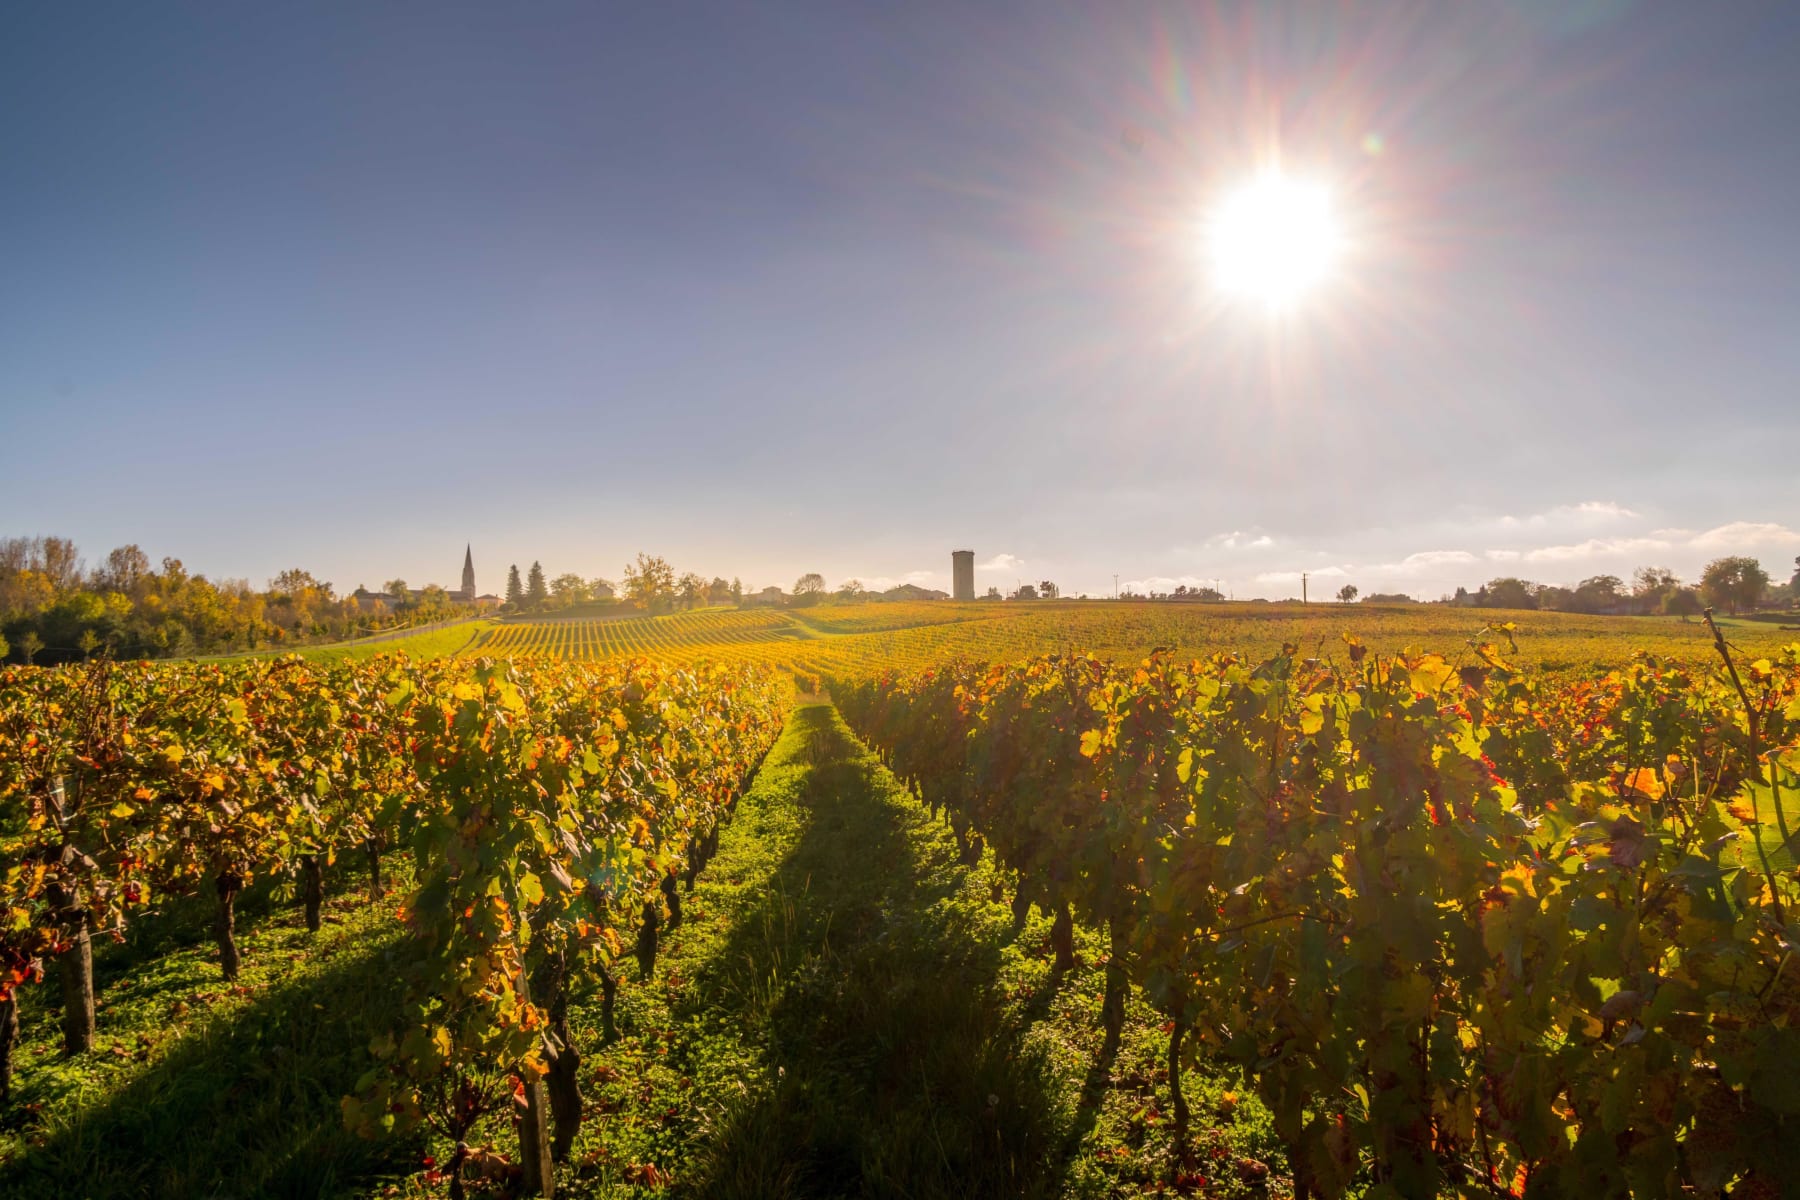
[[1274, 240]]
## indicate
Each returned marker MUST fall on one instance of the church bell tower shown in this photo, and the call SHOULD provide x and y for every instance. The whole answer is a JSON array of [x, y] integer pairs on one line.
[[468, 582]]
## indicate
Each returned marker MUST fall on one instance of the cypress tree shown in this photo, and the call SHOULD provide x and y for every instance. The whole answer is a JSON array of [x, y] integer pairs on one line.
[[515, 591], [536, 592]]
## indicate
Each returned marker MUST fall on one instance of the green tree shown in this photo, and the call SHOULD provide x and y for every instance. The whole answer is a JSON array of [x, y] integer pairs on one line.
[[536, 590], [397, 589], [434, 602], [29, 644], [1347, 593], [1650, 585], [5, 649], [515, 591], [1507, 592], [650, 581], [1602, 593], [1681, 602], [568, 589], [737, 588], [1552, 598], [809, 588], [1737, 581], [691, 588]]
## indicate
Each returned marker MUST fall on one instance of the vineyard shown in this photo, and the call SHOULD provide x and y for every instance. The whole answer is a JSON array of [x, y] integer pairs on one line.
[[1458, 929], [1117, 899], [867, 639], [547, 814]]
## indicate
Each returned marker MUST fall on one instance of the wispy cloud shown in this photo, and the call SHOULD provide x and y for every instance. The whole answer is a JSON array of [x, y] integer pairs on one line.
[[1594, 548], [1425, 562], [1002, 562], [1588, 513], [1292, 577]]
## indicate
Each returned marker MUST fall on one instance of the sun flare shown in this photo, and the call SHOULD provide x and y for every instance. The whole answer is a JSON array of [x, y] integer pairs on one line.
[[1274, 240]]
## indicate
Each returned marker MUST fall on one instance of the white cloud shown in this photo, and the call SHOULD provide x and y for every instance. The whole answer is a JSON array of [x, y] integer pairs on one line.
[[1423, 562], [1239, 540], [1294, 576], [1598, 548], [881, 583], [1587, 513], [1603, 510], [1163, 583], [1738, 535], [1746, 535], [1002, 562]]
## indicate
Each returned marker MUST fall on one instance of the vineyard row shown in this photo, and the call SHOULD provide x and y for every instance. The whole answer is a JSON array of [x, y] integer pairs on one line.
[[1461, 929], [550, 812]]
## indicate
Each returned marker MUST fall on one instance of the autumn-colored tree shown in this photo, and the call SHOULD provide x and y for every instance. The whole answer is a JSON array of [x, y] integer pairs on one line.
[[650, 581]]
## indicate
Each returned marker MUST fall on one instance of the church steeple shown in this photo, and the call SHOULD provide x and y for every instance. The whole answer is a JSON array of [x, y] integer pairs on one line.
[[468, 582]]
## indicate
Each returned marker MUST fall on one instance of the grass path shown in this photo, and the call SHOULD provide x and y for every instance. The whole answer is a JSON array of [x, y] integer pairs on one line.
[[846, 1010], [849, 1011]]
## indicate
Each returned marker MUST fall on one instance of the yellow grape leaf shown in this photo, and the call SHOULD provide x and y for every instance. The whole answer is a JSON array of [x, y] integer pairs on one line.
[[1430, 673], [1644, 782], [1312, 715]]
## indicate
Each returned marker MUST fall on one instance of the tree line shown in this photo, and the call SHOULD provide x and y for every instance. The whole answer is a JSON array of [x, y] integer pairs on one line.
[[649, 583], [1736, 583], [55, 609]]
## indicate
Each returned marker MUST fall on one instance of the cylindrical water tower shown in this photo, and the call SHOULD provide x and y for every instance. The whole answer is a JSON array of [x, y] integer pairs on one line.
[[962, 574]]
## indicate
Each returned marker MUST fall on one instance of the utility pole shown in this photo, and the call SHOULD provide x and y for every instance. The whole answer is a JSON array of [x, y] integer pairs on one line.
[[1303, 587]]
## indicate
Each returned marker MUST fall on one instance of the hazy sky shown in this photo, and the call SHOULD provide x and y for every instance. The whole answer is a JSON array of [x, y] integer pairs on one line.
[[841, 287]]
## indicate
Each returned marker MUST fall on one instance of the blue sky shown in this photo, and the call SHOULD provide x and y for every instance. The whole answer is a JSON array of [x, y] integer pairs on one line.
[[837, 287]]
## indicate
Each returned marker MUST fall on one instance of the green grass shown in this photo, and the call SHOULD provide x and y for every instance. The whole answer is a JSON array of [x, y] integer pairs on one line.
[[201, 1088], [433, 643]]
